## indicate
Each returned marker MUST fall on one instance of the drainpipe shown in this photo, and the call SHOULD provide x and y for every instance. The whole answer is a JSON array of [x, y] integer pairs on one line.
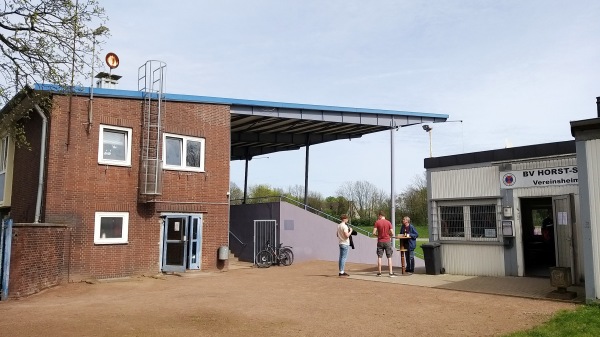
[[38, 203]]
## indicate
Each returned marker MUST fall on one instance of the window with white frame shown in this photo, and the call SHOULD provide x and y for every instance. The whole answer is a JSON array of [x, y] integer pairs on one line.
[[183, 153], [3, 165], [469, 220], [111, 228], [114, 147]]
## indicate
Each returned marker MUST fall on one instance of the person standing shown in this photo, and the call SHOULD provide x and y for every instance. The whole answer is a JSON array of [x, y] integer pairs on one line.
[[343, 234], [409, 230], [385, 232]]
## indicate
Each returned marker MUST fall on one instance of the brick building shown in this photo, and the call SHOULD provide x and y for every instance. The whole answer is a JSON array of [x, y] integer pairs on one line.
[[101, 224], [118, 183]]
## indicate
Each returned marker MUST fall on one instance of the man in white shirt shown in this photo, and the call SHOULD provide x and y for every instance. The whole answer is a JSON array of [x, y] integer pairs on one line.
[[343, 234]]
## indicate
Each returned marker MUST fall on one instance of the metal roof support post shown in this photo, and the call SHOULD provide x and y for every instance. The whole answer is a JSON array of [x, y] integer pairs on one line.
[[392, 175], [306, 171], [246, 181]]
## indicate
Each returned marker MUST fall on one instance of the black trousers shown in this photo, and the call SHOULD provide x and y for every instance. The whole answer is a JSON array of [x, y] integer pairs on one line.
[[410, 261]]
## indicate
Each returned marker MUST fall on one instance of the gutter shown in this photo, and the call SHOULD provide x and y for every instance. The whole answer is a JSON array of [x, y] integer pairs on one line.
[[38, 203]]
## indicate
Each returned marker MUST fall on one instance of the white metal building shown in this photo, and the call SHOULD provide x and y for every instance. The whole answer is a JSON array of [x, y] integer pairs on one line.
[[507, 212], [519, 211]]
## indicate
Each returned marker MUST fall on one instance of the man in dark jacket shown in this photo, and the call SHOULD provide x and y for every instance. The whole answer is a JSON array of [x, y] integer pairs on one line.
[[408, 228]]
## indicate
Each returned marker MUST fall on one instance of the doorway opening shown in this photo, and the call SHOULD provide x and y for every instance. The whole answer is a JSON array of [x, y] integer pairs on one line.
[[182, 242], [538, 237]]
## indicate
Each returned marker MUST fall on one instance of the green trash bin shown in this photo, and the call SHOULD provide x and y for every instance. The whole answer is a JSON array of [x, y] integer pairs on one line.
[[432, 257]]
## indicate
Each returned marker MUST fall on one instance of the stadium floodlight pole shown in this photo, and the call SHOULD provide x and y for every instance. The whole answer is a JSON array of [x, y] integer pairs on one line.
[[428, 129]]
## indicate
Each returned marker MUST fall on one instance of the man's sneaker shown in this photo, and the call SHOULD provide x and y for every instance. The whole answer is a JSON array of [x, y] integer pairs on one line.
[[343, 274], [378, 274], [392, 275]]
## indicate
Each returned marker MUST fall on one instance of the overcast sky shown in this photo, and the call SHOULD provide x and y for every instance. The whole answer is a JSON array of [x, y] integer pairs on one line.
[[515, 72]]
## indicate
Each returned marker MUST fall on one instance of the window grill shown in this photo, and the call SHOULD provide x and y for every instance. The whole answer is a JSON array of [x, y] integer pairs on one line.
[[467, 220]]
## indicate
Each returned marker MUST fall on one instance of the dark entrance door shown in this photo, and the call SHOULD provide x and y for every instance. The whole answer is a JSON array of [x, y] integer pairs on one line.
[[538, 236], [174, 243]]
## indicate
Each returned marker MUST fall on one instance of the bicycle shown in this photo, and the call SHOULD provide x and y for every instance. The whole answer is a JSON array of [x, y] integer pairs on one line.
[[270, 255]]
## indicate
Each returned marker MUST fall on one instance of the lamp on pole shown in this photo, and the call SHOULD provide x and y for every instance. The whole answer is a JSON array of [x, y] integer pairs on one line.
[[428, 129]]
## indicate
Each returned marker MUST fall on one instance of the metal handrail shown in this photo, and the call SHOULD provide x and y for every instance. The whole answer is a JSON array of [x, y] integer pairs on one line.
[[306, 207], [235, 237]]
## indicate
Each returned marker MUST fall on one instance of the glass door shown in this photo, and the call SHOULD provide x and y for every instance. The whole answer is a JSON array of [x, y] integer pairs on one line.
[[195, 242], [174, 243]]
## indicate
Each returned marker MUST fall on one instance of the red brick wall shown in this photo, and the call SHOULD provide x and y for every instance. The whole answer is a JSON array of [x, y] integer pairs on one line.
[[77, 186], [39, 258]]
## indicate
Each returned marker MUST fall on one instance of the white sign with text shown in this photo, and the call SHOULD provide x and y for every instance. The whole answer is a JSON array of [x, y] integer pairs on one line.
[[539, 177]]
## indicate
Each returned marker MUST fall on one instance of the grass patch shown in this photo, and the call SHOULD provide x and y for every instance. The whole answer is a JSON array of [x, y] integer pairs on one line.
[[584, 321]]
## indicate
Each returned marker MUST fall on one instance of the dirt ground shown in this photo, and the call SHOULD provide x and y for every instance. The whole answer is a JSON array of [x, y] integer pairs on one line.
[[305, 299]]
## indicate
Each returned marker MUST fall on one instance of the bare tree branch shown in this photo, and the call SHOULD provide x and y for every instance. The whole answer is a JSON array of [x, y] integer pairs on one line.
[[41, 39]]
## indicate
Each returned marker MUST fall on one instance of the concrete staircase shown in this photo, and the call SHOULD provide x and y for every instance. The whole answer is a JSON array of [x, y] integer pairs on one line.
[[235, 263]]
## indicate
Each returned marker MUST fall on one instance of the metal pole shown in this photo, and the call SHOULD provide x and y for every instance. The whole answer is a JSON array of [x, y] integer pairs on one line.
[[430, 152], [393, 192], [246, 182], [306, 174]]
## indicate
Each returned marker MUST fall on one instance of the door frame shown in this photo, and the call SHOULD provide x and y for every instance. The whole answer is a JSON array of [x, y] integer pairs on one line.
[[190, 241]]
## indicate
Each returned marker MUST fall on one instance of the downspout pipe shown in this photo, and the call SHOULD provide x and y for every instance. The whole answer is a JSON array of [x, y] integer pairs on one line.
[[38, 203]]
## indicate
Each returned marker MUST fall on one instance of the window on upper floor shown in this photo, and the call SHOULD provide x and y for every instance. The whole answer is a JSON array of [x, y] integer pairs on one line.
[[3, 165], [183, 153], [111, 228], [114, 146]]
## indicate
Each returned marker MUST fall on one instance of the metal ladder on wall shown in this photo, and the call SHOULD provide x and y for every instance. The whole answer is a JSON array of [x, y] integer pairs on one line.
[[151, 82]]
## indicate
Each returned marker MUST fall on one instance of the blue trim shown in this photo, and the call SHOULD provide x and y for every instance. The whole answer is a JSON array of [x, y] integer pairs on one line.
[[6, 257], [117, 93]]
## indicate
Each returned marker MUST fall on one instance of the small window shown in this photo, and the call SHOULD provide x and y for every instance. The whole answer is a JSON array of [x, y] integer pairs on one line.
[[452, 221], [115, 146], [111, 228], [469, 220], [183, 153]]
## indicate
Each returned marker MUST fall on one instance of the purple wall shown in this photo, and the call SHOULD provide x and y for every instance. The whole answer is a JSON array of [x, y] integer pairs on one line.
[[314, 238], [311, 236]]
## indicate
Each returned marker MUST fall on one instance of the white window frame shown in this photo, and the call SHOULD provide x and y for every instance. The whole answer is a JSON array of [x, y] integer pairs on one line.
[[183, 153], [101, 160], [110, 241], [466, 205]]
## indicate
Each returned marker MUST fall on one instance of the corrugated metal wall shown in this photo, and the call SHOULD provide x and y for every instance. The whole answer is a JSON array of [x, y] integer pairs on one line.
[[554, 162], [459, 259], [479, 182], [592, 154]]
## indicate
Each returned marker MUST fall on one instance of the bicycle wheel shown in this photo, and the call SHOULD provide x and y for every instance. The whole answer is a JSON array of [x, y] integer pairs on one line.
[[288, 250], [264, 259], [286, 258]]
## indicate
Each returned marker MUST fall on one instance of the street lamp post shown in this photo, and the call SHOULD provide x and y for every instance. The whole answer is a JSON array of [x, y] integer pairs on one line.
[[428, 129]]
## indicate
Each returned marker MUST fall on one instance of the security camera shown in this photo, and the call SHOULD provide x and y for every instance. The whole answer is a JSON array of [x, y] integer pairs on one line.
[[427, 128]]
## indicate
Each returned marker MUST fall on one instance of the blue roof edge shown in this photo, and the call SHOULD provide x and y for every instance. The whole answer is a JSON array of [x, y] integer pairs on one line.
[[118, 93]]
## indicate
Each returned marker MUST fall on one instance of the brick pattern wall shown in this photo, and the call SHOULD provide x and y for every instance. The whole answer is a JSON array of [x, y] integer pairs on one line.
[[77, 186], [39, 258]]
